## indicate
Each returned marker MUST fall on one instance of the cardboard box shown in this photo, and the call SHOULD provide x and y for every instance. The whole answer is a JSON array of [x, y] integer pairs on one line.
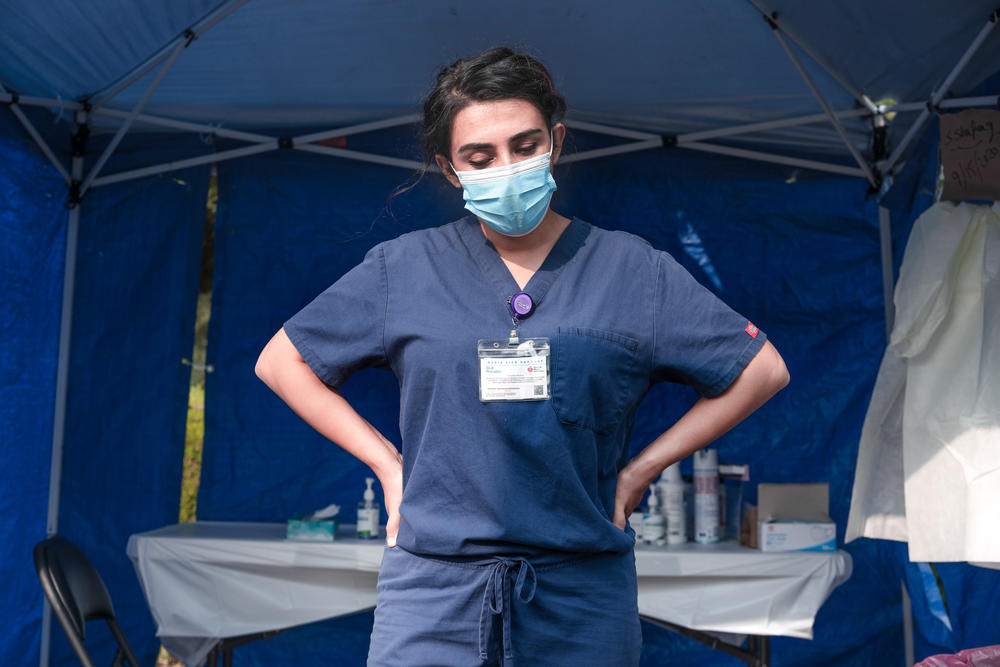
[[795, 517]]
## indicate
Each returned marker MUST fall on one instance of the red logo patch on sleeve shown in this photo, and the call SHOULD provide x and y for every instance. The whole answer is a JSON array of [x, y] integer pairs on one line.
[[752, 330]]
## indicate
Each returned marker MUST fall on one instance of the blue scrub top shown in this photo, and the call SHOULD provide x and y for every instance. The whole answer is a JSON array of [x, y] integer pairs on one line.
[[532, 478]]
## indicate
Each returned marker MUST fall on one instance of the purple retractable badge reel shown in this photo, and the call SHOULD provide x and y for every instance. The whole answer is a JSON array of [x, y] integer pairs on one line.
[[521, 305]]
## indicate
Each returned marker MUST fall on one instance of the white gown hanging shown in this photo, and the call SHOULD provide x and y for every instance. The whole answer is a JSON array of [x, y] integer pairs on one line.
[[929, 458]]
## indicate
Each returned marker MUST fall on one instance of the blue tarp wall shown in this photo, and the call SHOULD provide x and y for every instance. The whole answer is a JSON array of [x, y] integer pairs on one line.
[[796, 252]]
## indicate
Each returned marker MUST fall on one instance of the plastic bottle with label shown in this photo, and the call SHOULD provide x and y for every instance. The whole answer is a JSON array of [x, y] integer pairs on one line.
[[652, 521], [368, 513], [671, 488], [706, 496]]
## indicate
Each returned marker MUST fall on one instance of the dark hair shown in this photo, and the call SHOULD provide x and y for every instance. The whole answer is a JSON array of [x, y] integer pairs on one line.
[[495, 74]]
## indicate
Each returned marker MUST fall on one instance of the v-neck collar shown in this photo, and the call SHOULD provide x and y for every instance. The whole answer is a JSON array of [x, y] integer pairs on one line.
[[490, 263]]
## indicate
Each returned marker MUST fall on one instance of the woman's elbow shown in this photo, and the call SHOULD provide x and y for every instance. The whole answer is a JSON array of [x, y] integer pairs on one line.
[[779, 376], [263, 366], [267, 360]]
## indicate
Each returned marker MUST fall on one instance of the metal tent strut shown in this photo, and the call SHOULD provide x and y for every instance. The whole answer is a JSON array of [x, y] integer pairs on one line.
[[941, 91], [771, 21], [642, 140], [13, 102], [193, 32], [120, 134], [772, 18]]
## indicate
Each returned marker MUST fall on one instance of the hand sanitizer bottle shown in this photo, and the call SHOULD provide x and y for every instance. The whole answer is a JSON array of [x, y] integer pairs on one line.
[[671, 487], [368, 513], [652, 521]]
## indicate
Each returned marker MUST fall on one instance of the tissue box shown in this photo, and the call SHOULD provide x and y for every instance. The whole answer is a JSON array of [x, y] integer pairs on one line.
[[300, 528], [795, 517]]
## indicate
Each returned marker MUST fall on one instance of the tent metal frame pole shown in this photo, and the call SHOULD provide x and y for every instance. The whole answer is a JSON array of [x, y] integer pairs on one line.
[[772, 18], [777, 159], [612, 150], [145, 119], [132, 174], [358, 129], [769, 125], [888, 281], [942, 90], [638, 135], [361, 156], [193, 32], [15, 109], [120, 134], [823, 103], [62, 374]]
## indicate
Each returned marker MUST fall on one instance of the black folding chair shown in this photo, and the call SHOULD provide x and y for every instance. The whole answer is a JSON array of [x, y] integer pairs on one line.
[[77, 594]]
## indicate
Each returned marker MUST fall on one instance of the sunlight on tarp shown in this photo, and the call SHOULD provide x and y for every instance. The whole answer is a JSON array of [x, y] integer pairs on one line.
[[696, 250]]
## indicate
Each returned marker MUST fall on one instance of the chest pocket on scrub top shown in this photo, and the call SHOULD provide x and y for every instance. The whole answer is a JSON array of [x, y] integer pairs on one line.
[[592, 374]]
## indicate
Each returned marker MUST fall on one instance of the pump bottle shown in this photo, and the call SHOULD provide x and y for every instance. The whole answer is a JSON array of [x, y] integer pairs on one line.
[[368, 513], [652, 521]]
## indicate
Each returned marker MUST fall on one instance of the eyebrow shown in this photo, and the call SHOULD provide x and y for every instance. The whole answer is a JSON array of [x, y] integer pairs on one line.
[[483, 146]]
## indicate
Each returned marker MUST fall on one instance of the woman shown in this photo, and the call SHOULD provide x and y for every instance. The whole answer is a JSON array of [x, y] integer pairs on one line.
[[523, 342]]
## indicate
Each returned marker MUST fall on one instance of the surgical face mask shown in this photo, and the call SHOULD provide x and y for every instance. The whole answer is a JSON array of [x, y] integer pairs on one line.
[[511, 199]]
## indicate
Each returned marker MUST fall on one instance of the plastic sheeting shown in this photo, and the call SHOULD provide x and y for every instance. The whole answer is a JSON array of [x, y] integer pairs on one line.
[[796, 253], [133, 321], [260, 581], [32, 247]]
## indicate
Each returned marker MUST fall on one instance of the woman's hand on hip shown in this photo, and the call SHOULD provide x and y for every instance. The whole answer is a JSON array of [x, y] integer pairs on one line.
[[628, 493], [392, 491]]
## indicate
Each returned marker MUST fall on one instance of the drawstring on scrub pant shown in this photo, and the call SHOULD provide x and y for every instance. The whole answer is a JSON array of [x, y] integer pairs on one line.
[[496, 599]]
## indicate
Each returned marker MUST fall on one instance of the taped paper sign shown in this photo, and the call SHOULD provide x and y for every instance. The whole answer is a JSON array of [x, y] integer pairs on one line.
[[970, 155]]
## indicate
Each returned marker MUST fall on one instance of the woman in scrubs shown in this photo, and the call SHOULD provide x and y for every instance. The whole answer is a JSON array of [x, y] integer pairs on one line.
[[523, 342]]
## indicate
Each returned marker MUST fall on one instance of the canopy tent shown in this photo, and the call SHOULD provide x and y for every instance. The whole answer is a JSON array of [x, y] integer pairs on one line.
[[152, 94]]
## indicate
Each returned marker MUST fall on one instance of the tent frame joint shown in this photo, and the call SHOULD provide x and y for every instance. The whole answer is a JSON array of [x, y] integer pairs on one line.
[[771, 20], [286, 143], [189, 36], [15, 98], [669, 140]]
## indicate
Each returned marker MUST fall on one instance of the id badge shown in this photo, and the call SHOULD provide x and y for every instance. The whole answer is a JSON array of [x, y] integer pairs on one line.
[[514, 371]]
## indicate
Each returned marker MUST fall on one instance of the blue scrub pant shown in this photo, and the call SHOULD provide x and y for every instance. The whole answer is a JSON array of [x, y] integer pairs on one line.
[[505, 611]]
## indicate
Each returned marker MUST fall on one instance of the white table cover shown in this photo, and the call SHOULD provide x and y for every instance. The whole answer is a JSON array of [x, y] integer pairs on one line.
[[209, 580]]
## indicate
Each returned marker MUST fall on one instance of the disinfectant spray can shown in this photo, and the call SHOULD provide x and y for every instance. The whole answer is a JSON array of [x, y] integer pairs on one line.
[[706, 496]]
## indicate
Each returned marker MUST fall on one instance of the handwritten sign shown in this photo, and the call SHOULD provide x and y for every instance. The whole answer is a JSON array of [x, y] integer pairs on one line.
[[970, 154]]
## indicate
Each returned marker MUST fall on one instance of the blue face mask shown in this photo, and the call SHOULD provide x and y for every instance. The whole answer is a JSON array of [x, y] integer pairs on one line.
[[511, 199]]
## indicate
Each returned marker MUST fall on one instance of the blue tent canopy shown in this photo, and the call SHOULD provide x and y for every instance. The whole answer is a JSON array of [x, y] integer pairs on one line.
[[784, 225]]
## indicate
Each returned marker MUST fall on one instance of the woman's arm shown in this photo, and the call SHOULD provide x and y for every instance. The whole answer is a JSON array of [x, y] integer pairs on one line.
[[282, 368], [707, 420]]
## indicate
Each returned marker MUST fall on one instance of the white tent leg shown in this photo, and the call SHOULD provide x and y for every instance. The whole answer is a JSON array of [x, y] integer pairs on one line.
[[888, 283], [907, 626], [120, 134], [140, 70], [826, 107], [942, 90], [62, 379]]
